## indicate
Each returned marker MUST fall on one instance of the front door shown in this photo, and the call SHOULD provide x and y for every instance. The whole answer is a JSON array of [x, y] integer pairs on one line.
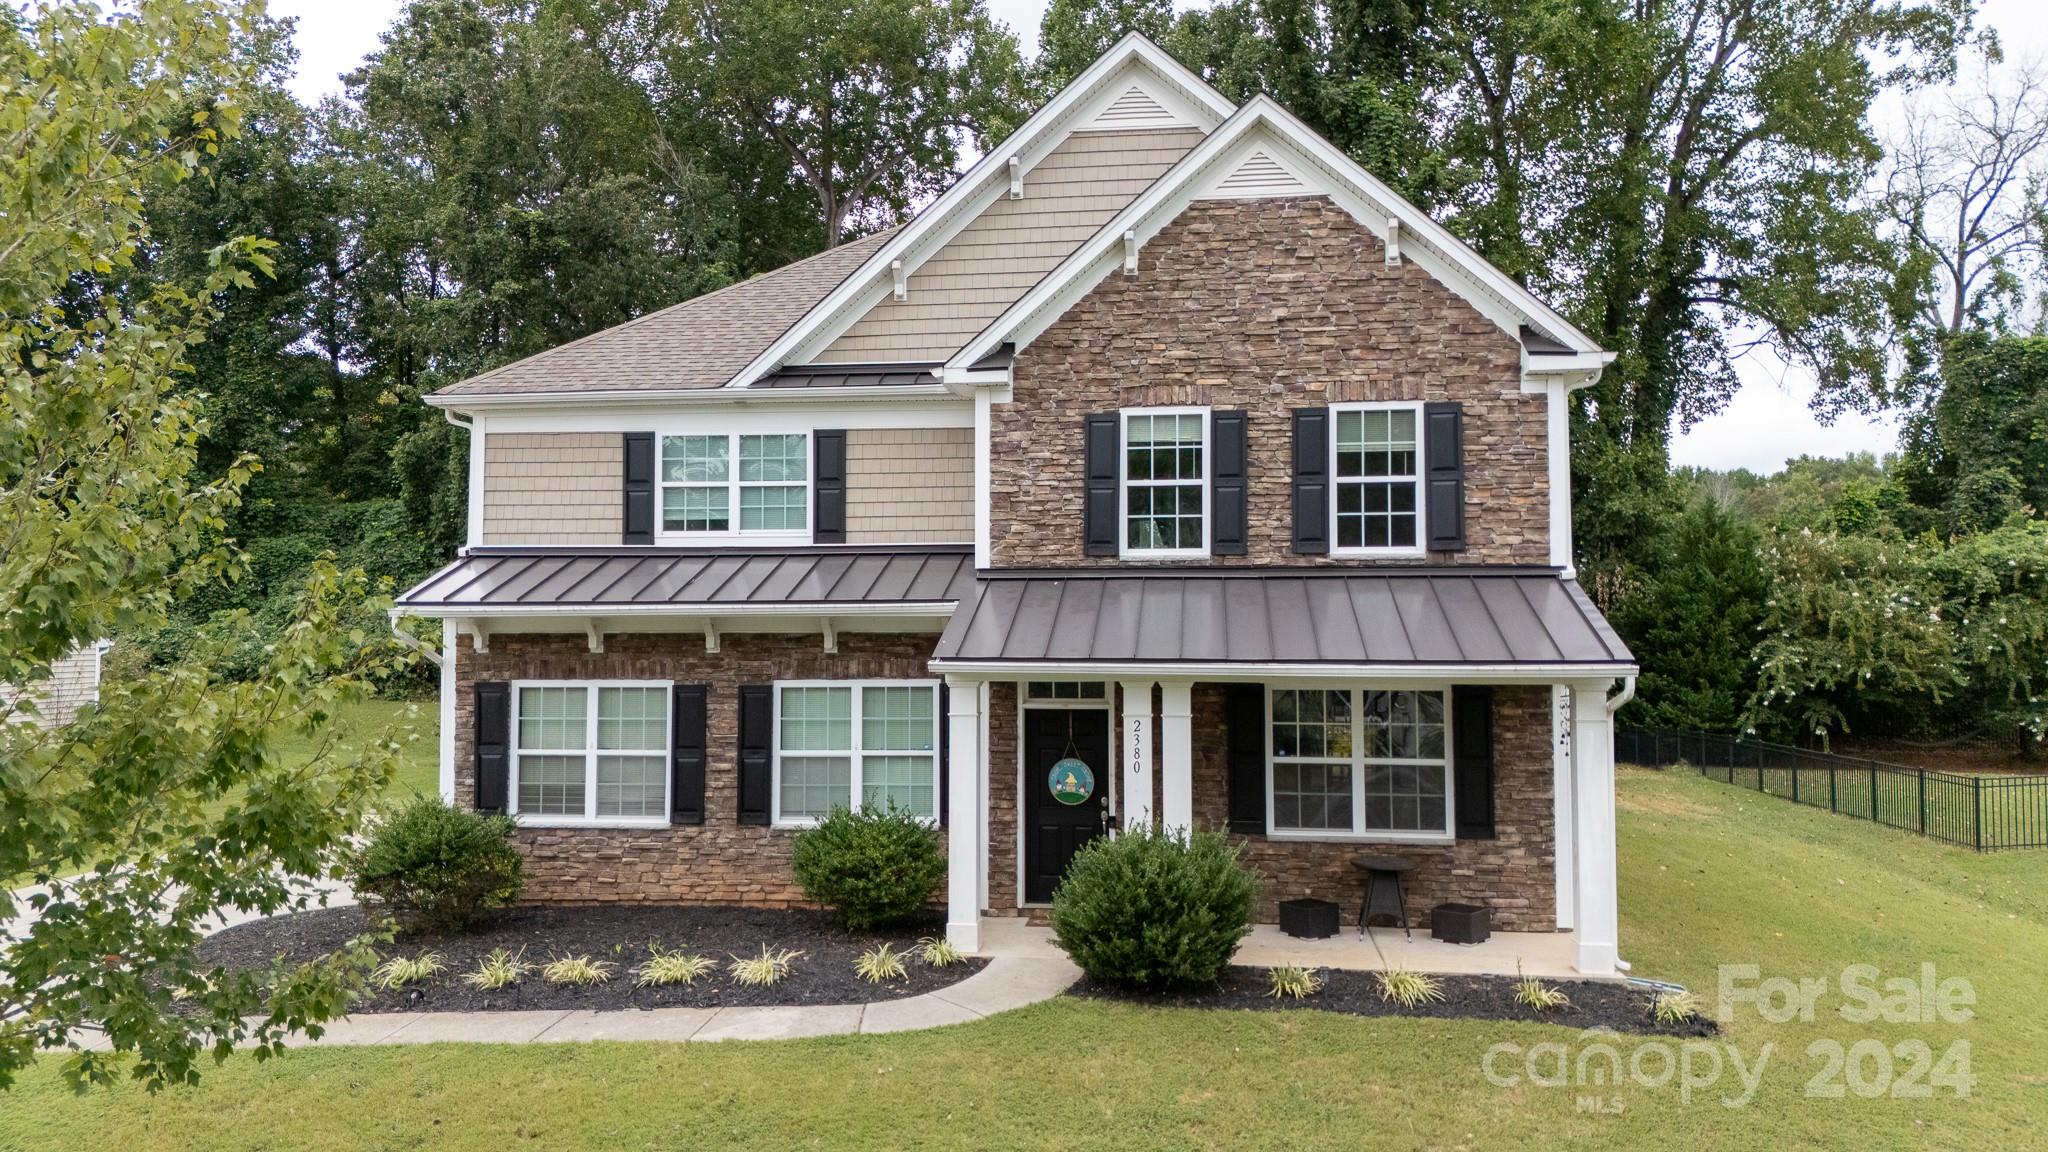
[[1066, 791]]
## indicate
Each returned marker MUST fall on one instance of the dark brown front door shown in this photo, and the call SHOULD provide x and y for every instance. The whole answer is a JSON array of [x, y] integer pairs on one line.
[[1064, 806]]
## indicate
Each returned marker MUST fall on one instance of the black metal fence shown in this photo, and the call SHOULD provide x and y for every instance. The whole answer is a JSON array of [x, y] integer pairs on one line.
[[1981, 812]]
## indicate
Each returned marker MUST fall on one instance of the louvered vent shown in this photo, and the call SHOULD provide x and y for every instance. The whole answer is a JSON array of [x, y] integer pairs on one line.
[[1134, 109], [1260, 175]]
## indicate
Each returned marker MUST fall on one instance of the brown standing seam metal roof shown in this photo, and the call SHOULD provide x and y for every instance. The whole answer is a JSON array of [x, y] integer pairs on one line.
[[699, 343], [649, 578], [1238, 616]]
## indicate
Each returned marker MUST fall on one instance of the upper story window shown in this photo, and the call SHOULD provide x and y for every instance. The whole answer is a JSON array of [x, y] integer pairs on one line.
[[736, 483], [1377, 474], [1165, 482]]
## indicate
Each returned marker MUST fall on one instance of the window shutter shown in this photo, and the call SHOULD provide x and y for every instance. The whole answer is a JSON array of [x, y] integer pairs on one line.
[[686, 763], [945, 753], [1099, 510], [1312, 481], [828, 488], [639, 488], [1472, 759], [1244, 709], [493, 745], [1443, 458], [1227, 478], [757, 725]]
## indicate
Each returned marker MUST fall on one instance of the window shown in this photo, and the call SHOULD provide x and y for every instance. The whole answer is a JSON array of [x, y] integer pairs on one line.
[[703, 491], [1378, 465], [1358, 762], [591, 752], [1066, 690], [1165, 481], [842, 744]]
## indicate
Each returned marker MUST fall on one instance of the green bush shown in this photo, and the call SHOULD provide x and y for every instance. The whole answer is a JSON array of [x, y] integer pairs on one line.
[[1154, 910], [438, 868], [873, 867]]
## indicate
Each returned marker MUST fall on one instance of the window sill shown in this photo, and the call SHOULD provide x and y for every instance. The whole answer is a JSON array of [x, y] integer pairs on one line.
[[642, 822], [1175, 554], [1307, 837], [1380, 553]]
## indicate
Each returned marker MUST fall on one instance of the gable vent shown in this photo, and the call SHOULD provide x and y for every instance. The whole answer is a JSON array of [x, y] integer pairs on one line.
[[1260, 175], [1134, 109]]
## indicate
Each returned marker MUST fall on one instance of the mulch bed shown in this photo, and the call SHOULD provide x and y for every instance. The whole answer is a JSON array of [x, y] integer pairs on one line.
[[1594, 1003], [621, 935]]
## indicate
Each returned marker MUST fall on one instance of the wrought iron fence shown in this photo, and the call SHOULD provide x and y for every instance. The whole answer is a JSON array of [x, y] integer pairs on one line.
[[1981, 812]]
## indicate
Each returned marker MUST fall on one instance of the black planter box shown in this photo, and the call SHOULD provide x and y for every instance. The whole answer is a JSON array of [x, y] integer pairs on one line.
[[1308, 919], [1459, 924]]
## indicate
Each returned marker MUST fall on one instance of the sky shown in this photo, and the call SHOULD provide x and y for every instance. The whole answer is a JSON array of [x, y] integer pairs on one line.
[[1765, 424]]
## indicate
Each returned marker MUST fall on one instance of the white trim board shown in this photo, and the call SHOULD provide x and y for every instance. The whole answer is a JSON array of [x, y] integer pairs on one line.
[[1134, 61], [1263, 128]]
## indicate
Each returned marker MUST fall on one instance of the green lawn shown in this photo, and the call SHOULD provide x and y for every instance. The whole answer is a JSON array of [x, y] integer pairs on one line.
[[414, 723], [1710, 874]]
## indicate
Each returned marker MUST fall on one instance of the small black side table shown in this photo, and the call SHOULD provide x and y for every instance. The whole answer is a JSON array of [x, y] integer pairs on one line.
[[1383, 890]]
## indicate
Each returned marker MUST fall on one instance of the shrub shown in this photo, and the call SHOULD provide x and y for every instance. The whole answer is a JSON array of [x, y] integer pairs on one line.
[[1151, 909], [577, 971], [874, 868], [501, 969], [880, 963], [1674, 1008], [938, 951], [1409, 989], [438, 868], [399, 971], [664, 967], [1291, 983], [768, 968], [1533, 993]]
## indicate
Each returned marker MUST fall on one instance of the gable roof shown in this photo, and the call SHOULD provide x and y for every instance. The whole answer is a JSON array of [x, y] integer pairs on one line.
[[1264, 150], [697, 344]]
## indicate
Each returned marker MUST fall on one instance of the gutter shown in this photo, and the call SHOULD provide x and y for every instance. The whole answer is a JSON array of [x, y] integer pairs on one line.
[[468, 402], [411, 641], [1627, 693]]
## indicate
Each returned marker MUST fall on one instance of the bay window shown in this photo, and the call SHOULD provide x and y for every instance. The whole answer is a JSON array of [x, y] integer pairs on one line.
[[736, 483], [591, 752], [854, 744], [1358, 762]]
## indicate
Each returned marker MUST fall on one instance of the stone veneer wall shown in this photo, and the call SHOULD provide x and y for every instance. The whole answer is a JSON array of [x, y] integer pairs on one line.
[[1266, 306], [1003, 813], [720, 861]]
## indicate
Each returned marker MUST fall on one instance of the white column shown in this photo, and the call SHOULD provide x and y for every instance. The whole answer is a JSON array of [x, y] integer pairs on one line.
[[1176, 758], [1597, 927], [1135, 799], [448, 690], [1561, 811], [964, 851]]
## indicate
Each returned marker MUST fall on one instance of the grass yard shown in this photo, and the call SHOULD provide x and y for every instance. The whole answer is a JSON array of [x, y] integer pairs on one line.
[[419, 770], [1710, 874]]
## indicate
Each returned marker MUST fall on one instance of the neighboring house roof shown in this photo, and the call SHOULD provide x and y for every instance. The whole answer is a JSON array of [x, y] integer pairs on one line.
[[1216, 618], [698, 343], [570, 581]]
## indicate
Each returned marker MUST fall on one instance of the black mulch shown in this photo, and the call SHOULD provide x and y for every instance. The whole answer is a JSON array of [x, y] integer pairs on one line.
[[1594, 1003], [621, 935]]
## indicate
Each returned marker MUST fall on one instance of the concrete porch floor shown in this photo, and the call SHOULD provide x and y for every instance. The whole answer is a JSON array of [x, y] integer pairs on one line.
[[1547, 955]]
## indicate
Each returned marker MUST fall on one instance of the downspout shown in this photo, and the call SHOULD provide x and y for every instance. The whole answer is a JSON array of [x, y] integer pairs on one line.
[[1615, 703], [411, 641]]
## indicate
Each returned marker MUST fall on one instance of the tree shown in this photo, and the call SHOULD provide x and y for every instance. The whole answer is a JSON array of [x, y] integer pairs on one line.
[[1978, 451], [1691, 620], [167, 800], [870, 102]]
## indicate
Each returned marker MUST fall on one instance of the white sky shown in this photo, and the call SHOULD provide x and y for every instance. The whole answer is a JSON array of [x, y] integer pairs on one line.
[[1766, 423]]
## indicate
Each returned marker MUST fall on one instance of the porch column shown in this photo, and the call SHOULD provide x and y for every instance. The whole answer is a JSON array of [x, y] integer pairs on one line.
[[1176, 758], [964, 808], [1597, 923], [1135, 799]]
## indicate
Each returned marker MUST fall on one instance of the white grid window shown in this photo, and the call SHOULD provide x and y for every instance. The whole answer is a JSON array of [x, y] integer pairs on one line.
[[1066, 690], [591, 752], [735, 484], [1166, 489], [1378, 467], [1358, 762], [848, 744]]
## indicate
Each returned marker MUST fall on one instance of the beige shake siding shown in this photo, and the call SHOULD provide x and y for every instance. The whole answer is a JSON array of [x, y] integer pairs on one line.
[[74, 682], [909, 485], [1012, 245], [553, 487]]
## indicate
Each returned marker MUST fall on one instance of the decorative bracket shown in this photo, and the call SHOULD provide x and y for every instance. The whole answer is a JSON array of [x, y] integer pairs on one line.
[[480, 637], [1016, 178], [831, 632], [896, 275], [1393, 239], [1130, 253], [593, 633], [710, 636]]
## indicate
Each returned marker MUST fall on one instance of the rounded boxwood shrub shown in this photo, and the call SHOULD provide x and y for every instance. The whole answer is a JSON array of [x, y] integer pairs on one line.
[[1149, 909], [438, 868], [873, 867]]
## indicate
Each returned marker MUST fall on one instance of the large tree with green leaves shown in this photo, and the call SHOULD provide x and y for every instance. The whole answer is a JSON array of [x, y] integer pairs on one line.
[[168, 800]]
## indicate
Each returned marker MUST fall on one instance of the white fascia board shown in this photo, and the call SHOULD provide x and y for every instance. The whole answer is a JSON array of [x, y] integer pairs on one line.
[[957, 412], [989, 179], [669, 398], [1258, 673], [1263, 125]]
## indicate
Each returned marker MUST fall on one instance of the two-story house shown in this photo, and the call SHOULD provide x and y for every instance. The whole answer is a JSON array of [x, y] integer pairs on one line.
[[1168, 441]]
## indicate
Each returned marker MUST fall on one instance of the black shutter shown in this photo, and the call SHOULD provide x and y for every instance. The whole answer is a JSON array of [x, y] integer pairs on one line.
[[1099, 511], [1443, 457], [493, 745], [945, 754], [1472, 759], [828, 489], [639, 488], [1312, 481], [688, 747], [1227, 475], [757, 726], [1244, 710]]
